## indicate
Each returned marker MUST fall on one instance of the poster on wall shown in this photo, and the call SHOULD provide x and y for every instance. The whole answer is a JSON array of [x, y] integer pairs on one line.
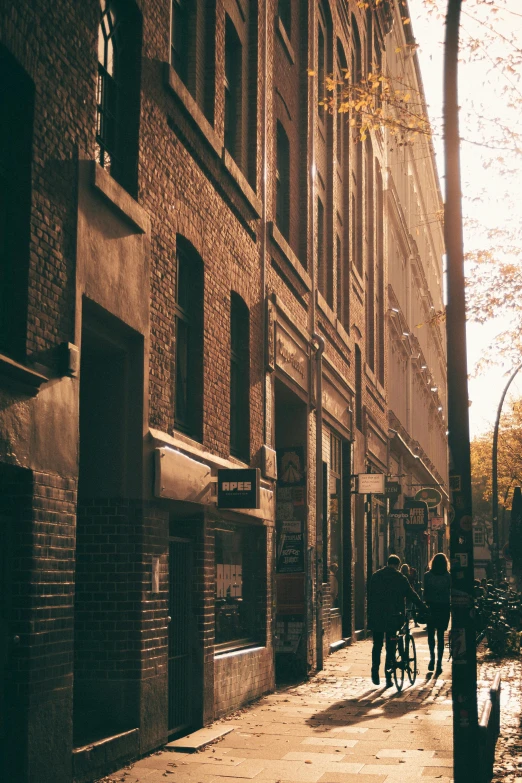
[[290, 546], [290, 510]]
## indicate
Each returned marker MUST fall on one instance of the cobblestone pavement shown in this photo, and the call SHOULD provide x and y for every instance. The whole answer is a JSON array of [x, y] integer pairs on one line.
[[335, 728], [339, 728], [508, 756]]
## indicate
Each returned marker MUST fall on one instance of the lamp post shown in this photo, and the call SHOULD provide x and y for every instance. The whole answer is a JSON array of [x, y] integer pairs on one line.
[[494, 478], [463, 643]]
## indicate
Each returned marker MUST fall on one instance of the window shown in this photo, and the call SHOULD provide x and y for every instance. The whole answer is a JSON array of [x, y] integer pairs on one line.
[[321, 69], [321, 248], [16, 132], [284, 9], [240, 608], [358, 388], [192, 49], [380, 274], [188, 397], [370, 263], [239, 379], [118, 92], [283, 182], [233, 72], [180, 39], [478, 538]]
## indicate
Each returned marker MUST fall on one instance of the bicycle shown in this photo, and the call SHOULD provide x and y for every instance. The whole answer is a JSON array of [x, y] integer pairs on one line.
[[405, 655]]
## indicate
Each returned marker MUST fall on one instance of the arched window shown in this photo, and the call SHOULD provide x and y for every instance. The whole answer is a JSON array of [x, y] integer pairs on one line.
[[118, 93], [282, 181], [188, 395], [239, 378]]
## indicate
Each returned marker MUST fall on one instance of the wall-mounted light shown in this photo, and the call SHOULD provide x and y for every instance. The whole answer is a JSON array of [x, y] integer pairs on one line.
[[439, 408], [434, 388], [424, 366], [405, 334], [394, 310]]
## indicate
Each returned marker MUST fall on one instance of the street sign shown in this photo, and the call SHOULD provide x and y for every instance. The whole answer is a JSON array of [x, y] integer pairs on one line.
[[239, 488], [370, 483], [431, 496]]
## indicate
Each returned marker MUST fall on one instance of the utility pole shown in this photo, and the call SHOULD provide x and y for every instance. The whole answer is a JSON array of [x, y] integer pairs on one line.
[[463, 642]]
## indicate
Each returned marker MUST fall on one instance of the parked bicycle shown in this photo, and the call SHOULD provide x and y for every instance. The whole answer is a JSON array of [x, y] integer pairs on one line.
[[405, 656]]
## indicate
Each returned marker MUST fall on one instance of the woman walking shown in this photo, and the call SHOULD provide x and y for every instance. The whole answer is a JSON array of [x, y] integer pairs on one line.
[[437, 585]]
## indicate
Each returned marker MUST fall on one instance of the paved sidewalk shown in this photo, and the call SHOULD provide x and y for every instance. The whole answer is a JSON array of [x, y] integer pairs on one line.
[[336, 728]]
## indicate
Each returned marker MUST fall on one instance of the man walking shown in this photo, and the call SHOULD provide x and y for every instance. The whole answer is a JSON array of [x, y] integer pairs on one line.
[[387, 592]]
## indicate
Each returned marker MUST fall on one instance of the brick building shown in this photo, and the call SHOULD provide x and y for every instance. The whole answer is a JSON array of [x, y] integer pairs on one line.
[[199, 271]]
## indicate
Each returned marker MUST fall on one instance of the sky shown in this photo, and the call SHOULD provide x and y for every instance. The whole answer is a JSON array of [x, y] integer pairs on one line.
[[492, 188]]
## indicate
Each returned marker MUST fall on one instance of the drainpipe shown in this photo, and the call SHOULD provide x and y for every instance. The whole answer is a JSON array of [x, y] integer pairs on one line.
[[264, 221], [318, 344]]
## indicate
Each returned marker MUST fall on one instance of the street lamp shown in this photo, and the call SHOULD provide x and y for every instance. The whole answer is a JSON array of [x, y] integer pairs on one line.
[[494, 478]]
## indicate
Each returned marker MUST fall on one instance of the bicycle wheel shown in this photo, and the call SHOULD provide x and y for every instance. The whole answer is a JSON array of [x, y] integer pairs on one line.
[[410, 658], [398, 666]]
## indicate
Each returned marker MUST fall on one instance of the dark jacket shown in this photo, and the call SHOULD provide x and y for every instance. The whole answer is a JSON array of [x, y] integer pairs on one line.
[[388, 591]]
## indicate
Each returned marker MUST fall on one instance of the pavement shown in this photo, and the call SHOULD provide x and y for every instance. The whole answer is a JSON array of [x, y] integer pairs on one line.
[[338, 728]]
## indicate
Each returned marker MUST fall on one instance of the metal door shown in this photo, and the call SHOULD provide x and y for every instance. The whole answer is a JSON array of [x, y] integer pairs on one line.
[[180, 688]]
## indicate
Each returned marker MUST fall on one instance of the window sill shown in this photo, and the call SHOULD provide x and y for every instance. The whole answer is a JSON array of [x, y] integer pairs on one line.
[[283, 35], [120, 199], [176, 86], [180, 91], [230, 650], [242, 183], [22, 376], [343, 334], [290, 256], [326, 309]]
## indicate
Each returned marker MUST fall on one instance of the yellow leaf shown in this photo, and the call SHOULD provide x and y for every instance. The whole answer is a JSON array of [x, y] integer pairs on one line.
[[311, 73]]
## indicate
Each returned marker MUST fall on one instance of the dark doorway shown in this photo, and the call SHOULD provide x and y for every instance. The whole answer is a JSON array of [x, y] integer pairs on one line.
[[359, 564], [181, 715], [293, 597], [107, 583], [6, 640]]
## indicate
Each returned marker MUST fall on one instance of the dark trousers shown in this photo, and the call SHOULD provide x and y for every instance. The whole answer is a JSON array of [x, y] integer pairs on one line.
[[391, 643], [440, 641]]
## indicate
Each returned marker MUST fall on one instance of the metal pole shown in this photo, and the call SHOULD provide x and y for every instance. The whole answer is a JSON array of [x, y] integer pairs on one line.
[[494, 479], [463, 643]]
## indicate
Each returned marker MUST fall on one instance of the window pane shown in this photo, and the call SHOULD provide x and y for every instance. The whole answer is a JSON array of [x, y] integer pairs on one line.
[[240, 593], [182, 339]]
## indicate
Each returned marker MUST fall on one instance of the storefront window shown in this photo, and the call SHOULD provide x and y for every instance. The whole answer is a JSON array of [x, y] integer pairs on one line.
[[240, 586]]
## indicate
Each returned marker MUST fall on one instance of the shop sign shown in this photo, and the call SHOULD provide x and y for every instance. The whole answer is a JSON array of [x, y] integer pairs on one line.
[[432, 497], [393, 489], [370, 483], [418, 515], [335, 403], [238, 488], [291, 357], [399, 515]]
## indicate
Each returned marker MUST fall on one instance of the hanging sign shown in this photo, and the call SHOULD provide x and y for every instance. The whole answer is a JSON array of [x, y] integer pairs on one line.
[[370, 483], [238, 488], [431, 496], [418, 519]]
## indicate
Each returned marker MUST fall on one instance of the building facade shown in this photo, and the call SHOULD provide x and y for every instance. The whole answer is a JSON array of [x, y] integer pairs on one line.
[[202, 268]]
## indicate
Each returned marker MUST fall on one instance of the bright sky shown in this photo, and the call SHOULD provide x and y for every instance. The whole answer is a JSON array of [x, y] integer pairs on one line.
[[492, 194]]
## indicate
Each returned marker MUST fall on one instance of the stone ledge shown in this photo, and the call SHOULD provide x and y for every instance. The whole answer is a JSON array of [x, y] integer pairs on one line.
[[120, 199], [18, 373], [193, 742], [242, 183], [181, 92], [289, 255], [287, 46]]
